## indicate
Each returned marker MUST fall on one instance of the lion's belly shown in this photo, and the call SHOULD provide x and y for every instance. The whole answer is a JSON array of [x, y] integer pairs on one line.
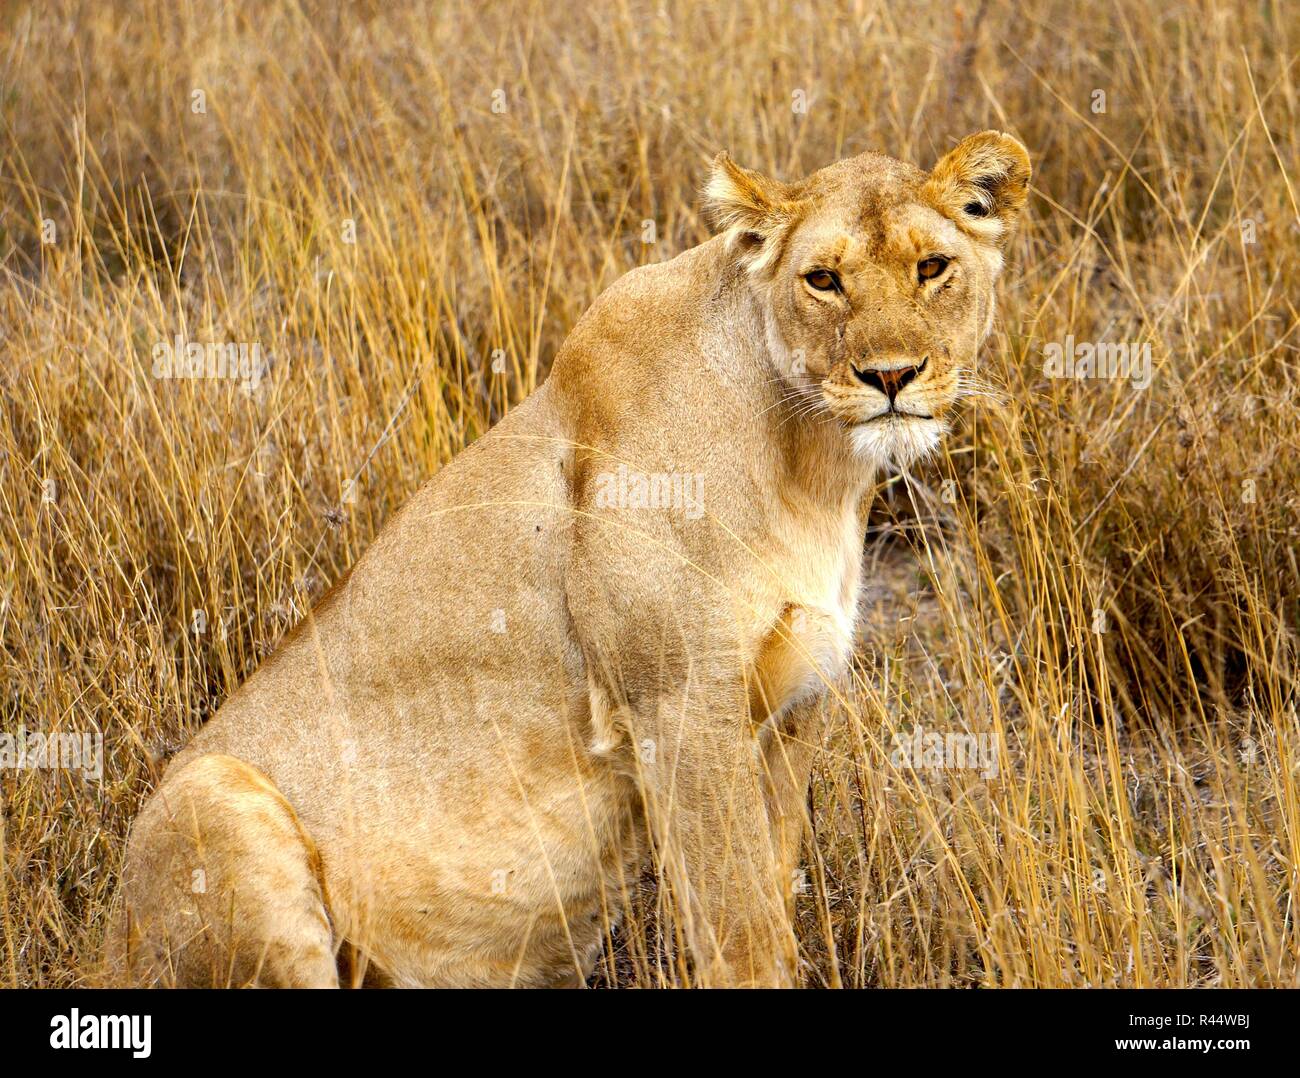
[[522, 897]]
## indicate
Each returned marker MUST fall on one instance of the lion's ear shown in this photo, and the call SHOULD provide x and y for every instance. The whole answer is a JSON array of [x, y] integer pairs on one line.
[[982, 184], [752, 208]]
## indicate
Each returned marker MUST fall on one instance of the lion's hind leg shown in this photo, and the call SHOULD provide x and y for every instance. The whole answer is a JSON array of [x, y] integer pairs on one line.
[[222, 886]]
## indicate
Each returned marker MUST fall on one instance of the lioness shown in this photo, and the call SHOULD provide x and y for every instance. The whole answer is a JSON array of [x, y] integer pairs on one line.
[[601, 633]]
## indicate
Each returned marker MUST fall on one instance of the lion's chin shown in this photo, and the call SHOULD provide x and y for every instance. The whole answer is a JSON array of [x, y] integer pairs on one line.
[[896, 441]]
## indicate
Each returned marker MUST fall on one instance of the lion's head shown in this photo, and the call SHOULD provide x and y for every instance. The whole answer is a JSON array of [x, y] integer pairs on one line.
[[876, 280]]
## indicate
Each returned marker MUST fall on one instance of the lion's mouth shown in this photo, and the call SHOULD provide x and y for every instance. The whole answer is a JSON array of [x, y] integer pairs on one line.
[[895, 414]]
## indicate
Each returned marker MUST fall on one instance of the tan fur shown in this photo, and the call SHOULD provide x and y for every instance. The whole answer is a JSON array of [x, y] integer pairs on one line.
[[449, 772]]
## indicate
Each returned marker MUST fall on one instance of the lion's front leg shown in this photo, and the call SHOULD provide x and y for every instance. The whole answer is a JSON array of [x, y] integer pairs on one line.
[[789, 746], [701, 774]]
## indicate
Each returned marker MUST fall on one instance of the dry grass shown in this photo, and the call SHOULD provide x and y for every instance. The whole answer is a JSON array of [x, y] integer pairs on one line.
[[1144, 827]]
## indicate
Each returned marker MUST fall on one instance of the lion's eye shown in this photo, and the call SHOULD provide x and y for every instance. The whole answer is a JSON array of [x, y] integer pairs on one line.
[[930, 268], [823, 280], [975, 209]]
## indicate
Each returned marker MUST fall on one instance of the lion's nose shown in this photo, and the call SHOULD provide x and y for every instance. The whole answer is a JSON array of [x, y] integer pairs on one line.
[[889, 380]]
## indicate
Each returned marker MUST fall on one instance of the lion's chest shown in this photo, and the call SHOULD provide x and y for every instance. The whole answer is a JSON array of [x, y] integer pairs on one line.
[[809, 642]]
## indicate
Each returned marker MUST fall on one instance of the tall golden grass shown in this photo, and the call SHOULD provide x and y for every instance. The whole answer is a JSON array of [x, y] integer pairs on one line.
[[408, 205]]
